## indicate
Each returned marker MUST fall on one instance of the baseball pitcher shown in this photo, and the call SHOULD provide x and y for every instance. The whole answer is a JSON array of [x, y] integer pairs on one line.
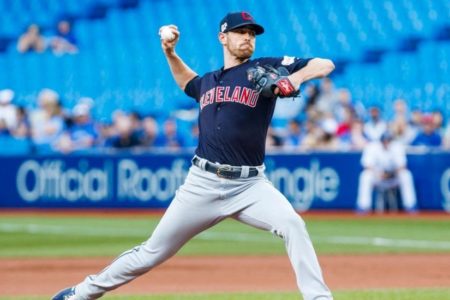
[[226, 179]]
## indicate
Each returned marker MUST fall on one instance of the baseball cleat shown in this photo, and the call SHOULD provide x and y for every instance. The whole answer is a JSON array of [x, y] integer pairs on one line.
[[66, 294]]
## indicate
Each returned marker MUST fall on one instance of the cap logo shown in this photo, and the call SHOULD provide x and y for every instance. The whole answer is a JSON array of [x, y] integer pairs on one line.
[[246, 16], [224, 27]]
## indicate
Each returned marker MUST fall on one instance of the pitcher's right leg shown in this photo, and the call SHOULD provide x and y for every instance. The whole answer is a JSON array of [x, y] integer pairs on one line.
[[191, 212]]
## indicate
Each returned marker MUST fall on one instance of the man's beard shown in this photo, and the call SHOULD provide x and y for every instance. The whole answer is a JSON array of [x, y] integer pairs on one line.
[[242, 55]]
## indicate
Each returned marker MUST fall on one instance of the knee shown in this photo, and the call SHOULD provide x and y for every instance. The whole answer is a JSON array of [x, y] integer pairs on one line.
[[148, 256], [292, 225]]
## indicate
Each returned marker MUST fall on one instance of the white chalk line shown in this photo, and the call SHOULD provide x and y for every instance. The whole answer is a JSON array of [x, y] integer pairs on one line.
[[226, 236]]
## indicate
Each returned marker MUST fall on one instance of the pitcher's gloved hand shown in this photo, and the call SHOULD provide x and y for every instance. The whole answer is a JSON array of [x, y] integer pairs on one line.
[[266, 79]]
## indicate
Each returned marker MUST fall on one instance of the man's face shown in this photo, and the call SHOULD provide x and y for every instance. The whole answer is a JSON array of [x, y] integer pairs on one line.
[[64, 27], [428, 127], [240, 42], [374, 113]]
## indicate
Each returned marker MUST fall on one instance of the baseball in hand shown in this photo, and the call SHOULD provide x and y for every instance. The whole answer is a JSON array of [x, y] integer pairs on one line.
[[166, 33]]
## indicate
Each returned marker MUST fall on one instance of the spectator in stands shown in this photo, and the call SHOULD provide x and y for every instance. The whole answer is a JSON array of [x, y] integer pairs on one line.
[[401, 110], [82, 133], [385, 163], [402, 130], [323, 136], [122, 134], [346, 121], [105, 133], [136, 122], [343, 105], [438, 121], [327, 139], [192, 140], [23, 126], [402, 126], [31, 40], [328, 97], [150, 133], [64, 41], [108, 131], [294, 134], [375, 126], [355, 139], [171, 137], [47, 122], [415, 120], [125, 137], [309, 136], [8, 111], [428, 136]]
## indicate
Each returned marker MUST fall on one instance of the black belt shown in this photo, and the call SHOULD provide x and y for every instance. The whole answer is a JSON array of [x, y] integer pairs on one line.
[[225, 171]]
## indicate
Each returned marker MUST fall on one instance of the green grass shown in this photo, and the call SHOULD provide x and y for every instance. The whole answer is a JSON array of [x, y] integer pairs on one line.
[[52, 236], [425, 294], [70, 236]]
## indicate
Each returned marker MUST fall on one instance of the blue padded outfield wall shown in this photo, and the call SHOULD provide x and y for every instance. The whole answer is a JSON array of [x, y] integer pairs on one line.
[[310, 181]]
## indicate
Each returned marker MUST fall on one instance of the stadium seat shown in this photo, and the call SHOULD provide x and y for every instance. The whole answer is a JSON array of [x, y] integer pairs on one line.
[[120, 52]]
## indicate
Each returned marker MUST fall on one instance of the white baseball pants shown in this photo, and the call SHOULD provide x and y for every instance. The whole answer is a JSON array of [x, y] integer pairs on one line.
[[201, 202], [369, 178]]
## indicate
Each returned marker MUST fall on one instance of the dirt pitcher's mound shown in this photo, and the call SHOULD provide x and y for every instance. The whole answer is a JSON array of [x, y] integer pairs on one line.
[[230, 274]]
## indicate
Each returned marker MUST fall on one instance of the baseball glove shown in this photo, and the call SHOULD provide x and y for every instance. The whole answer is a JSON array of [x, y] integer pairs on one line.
[[266, 79]]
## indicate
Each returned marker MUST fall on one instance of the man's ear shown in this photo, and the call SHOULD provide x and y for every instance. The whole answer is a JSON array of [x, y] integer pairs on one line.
[[222, 38]]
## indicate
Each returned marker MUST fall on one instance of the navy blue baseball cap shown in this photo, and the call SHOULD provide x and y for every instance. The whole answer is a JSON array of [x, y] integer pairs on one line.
[[239, 19]]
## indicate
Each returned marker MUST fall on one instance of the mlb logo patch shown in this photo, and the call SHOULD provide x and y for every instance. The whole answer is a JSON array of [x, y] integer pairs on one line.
[[224, 27], [288, 60]]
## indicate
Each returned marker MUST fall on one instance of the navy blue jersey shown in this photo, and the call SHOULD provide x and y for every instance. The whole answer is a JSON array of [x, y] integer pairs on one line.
[[234, 118]]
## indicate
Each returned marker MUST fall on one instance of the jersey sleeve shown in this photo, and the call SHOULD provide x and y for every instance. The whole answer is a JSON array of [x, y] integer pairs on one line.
[[192, 89]]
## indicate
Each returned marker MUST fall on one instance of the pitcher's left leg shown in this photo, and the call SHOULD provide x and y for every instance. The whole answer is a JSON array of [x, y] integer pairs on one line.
[[269, 210]]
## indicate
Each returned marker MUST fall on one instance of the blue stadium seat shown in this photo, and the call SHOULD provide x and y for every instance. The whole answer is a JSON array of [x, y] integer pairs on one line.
[[14, 146], [120, 60]]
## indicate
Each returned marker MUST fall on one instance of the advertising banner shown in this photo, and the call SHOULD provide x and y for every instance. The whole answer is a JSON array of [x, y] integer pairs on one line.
[[309, 181]]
